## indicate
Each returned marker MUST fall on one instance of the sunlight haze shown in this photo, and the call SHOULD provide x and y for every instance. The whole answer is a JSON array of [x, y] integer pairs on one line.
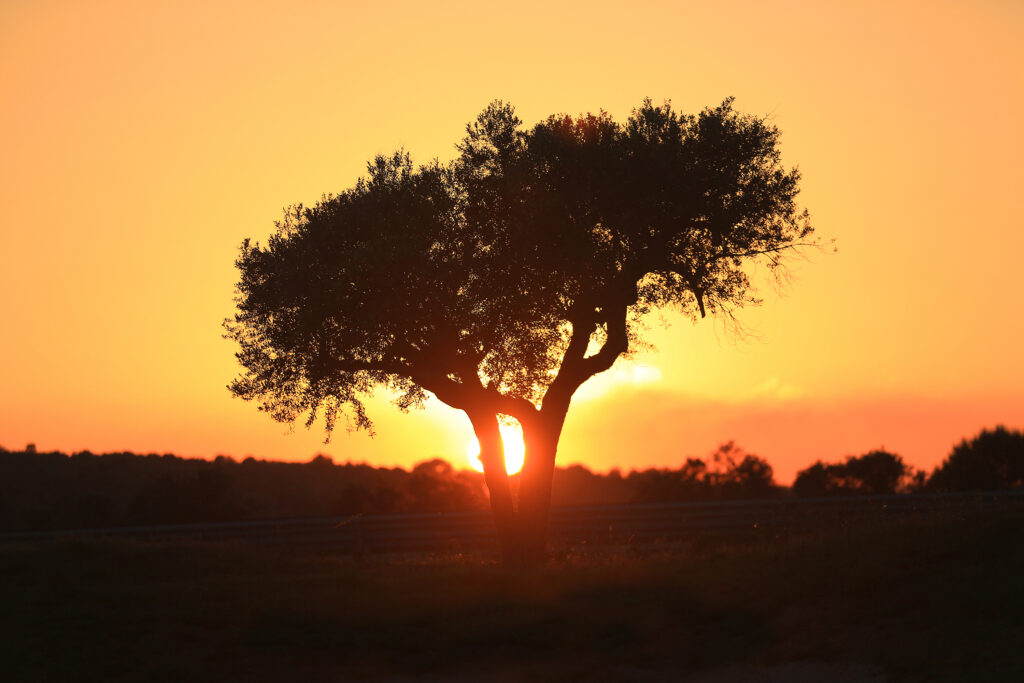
[[144, 141]]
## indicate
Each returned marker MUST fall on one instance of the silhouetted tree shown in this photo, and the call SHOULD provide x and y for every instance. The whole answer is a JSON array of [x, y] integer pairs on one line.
[[736, 474], [747, 477], [504, 280], [875, 473], [992, 460], [813, 481], [732, 474], [577, 485]]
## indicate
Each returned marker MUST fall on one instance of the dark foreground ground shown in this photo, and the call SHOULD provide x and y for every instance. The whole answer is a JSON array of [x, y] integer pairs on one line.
[[939, 599]]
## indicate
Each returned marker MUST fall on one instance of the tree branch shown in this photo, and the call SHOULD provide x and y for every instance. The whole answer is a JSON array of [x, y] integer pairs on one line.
[[473, 396], [614, 346], [582, 329], [456, 394], [519, 408], [577, 370]]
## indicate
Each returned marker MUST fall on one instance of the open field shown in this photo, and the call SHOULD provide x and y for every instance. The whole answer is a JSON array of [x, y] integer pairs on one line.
[[934, 598], [764, 520]]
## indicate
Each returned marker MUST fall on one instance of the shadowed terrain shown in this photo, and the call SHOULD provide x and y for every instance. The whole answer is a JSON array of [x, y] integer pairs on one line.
[[932, 599]]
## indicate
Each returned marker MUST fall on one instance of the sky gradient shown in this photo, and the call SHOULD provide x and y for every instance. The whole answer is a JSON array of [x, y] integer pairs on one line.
[[142, 142]]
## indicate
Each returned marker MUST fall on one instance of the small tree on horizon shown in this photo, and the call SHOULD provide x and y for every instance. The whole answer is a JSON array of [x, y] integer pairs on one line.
[[992, 460], [504, 280], [877, 472]]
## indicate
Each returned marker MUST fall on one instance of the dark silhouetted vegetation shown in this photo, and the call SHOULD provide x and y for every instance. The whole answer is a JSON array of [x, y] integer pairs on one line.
[[731, 474], [40, 491], [486, 281], [876, 473], [45, 491], [991, 461]]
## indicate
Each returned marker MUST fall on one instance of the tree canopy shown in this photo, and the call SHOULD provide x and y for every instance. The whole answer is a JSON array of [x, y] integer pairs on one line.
[[486, 279], [877, 472], [992, 460]]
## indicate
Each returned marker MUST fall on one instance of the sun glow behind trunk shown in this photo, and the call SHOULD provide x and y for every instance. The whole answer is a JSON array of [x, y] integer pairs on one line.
[[512, 438]]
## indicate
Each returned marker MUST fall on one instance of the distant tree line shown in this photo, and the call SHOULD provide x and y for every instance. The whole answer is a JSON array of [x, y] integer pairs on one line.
[[42, 491], [57, 491], [991, 461]]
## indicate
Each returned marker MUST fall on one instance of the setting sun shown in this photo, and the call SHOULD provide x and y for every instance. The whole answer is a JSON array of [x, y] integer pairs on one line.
[[512, 437]]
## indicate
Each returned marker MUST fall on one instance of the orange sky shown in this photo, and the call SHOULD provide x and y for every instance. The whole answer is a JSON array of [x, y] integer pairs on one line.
[[141, 142]]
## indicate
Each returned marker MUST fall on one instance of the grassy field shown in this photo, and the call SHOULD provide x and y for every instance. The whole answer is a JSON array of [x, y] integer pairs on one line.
[[929, 600]]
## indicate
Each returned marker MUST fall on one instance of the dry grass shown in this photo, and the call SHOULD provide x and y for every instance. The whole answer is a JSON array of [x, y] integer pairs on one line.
[[936, 599]]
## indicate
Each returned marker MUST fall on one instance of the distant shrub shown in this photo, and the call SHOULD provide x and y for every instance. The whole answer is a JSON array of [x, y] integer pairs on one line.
[[992, 460], [731, 474], [875, 473]]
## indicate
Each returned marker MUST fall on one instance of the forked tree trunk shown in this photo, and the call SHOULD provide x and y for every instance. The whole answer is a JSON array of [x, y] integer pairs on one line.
[[492, 457], [522, 528]]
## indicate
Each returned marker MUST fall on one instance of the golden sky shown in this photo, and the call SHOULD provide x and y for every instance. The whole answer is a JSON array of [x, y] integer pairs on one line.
[[142, 141]]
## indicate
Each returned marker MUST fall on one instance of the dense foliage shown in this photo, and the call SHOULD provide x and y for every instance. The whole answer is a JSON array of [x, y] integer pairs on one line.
[[876, 473], [480, 280], [54, 490], [40, 491], [992, 460]]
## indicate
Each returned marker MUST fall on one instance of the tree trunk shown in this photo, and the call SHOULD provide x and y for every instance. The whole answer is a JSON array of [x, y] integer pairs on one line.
[[522, 529], [492, 456], [541, 440]]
